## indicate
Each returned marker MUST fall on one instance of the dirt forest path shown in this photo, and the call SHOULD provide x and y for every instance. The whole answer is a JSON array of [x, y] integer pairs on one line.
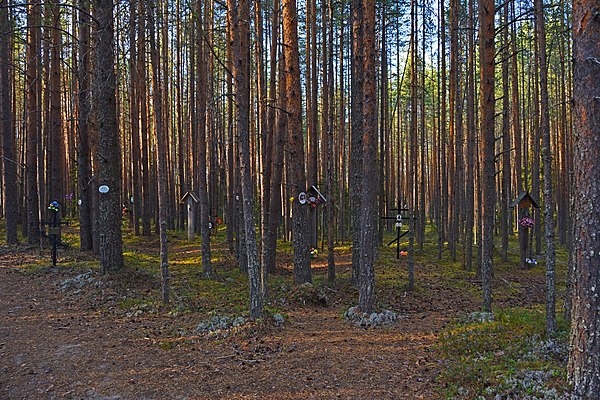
[[53, 345], [53, 348]]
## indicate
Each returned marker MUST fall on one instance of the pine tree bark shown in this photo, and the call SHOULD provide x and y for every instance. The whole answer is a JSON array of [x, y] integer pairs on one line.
[[109, 150], [505, 214], [452, 160], [329, 218], [356, 135], [9, 152], [201, 151], [161, 154], [183, 132], [327, 133], [540, 26], [535, 150], [134, 103], [411, 182], [584, 359], [232, 194], [241, 68], [84, 166], [312, 165], [145, 143], [563, 220], [516, 107], [33, 120], [488, 188], [56, 145], [470, 183], [368, 231], [295, 148], [443, 123], [423, 148], [276, 124]]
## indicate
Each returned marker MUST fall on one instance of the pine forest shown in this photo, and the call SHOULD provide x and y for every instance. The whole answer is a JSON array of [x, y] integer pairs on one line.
[[315, 199]]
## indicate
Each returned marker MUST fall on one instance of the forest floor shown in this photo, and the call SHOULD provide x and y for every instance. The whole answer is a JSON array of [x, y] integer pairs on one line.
[[67, 332]]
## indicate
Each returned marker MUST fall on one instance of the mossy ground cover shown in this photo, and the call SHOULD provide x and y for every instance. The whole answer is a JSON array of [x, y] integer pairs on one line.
[[493, 358], [474, 356]]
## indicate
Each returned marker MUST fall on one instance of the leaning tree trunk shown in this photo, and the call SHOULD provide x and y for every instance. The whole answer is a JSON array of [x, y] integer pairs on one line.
[[486, 60], [109, 149], [297, 178], [584, 360]]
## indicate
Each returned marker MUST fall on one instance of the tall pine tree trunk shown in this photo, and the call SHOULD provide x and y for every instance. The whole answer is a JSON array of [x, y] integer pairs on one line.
[[488, 188], [109, 145], [134, 103], [540, 26], [366, 297], [295, 150], [505, 214], [276, 127], [470, 183], [145, 142], [453, 100], [84, 167], [241, 68], [584, 359], [161, 153], [356, 133], [9, 152], [56, 145], [33, 120], [201, 137]]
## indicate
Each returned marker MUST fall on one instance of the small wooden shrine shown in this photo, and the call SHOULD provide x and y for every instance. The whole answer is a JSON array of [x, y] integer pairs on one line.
[[190, 199], [523, 203]]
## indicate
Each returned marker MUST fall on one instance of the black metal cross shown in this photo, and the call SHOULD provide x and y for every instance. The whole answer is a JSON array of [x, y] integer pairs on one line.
[[398, 218], [54, 232]]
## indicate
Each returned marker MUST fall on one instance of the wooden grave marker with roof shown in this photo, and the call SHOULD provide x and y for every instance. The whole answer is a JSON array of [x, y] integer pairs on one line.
[[191, 199], [523, 203]]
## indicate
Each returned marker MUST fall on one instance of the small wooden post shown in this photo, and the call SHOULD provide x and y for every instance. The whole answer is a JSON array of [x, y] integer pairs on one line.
[[191, 200]]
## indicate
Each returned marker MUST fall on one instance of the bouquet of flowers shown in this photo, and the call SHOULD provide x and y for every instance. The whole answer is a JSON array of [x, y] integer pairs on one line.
[[526, 222]]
